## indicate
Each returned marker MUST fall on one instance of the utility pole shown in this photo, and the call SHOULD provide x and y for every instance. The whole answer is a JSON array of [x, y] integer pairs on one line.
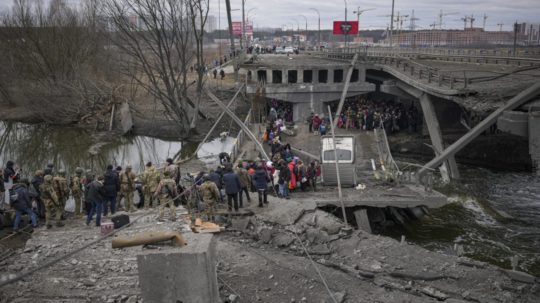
[[305, 18], [515, 36], [243, 26], [233, 50], [392, 24], [318, 14], [347, 32]]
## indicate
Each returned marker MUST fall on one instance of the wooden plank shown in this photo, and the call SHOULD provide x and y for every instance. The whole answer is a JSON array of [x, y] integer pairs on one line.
[[362, 220]]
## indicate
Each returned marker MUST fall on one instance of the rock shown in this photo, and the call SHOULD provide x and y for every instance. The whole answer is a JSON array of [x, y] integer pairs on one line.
[[271, 277], [434, 293], [233, 298], [320, 249], [283, 240], [317, 236], [266, 235], [303, 299], [132, 299], [520, 276], [340, 296]]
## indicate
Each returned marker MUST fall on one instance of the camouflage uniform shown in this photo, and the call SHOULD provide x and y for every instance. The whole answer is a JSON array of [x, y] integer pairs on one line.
[[150, 180], [76, 190], [210, 196], [50, 199], [167, 192], [127, 188], [61, 188]]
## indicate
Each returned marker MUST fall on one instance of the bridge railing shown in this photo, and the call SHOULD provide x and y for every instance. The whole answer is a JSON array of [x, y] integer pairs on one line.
[[240, 139], [403, 62]]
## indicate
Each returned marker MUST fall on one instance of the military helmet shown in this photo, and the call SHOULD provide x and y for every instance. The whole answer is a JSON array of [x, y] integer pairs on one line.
[[166, 173], [79, 170], [62, 172], [39, 172], [48, 178]]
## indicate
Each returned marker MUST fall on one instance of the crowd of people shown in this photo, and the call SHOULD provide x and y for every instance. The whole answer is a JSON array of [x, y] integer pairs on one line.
[[45, 195], [92, 194], [364, 114]]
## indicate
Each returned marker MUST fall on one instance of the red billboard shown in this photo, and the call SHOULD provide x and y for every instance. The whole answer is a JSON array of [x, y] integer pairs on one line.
[[237, 29], [345, 27]]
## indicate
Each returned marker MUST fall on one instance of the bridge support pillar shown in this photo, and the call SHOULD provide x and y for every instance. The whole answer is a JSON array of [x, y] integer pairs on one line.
[[449, 169]]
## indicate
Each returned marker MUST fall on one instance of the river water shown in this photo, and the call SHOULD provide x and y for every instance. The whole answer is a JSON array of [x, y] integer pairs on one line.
[[496, 215]]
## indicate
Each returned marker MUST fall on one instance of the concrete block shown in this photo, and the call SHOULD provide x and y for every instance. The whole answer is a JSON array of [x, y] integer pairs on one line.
[[186, 274]]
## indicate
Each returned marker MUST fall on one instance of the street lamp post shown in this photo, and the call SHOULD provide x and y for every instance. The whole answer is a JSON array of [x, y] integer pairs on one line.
[[247, 18], [305, 18], [318, 14], [345, 22]]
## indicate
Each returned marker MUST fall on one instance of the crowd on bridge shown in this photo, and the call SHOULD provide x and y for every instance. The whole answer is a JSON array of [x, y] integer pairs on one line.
[[366, 114]]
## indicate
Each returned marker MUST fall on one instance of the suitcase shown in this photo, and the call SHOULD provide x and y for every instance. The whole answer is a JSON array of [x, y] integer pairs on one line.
[[120, 220]]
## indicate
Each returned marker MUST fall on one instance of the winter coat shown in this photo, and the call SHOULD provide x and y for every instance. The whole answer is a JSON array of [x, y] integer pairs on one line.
[[24, 197], [261, 179], [292, 184], [2, 188], [245, 178], [111, 184], [9, 173], [36, 182], [216, 178], [232, 183], [95, 192], [316, 122], [284, 175]]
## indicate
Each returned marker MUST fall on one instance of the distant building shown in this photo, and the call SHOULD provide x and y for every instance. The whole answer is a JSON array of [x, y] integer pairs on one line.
[[211, 24], [363, 40], [467, 37]]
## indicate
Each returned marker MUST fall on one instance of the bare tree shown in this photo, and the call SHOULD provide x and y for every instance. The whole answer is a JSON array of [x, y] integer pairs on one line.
[[156, 40], [53, 58], [199, 14]]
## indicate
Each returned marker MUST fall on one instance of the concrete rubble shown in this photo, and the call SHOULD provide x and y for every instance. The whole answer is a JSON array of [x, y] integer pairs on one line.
[[361, 267], [259, 259]]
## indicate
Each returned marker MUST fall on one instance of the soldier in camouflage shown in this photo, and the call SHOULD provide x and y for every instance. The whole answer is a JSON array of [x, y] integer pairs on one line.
[[62, 189], [166, 191], [210, 196], [127, 188], [77, 190], [150, 180], [51, 201]]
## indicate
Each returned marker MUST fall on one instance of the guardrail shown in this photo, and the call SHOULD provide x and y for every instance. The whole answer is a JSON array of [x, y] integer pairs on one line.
[[403, 62]]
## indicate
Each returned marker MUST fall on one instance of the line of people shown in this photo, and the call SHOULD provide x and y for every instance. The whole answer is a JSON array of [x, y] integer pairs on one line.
[[96, 195]]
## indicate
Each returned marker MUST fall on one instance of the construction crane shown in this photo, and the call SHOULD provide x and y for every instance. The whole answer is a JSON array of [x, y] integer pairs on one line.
[[484, 24], [413, 19], [359, 12], [465, 21], [500, 25], [472, 20], [442, 14]]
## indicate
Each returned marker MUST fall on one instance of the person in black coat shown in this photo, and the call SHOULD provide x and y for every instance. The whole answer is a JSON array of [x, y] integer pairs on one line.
[[10, 173], [217, 178], [111, 185], [261, 179], [37, 180], [232, 185], [95, 195], [23, 203]]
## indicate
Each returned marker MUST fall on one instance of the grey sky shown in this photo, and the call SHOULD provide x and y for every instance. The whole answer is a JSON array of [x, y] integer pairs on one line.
[[280, 13]]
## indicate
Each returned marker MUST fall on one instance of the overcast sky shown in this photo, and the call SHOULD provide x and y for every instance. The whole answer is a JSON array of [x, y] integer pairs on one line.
[[283, 13]]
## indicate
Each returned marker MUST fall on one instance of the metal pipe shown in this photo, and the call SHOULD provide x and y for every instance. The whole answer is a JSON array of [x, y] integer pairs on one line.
[[340, 194]]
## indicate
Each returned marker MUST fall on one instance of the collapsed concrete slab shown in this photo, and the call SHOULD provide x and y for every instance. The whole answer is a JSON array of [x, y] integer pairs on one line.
[[184, 275]]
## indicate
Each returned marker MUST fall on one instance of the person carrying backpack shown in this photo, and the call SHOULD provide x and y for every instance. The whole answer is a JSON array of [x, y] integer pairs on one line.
[[23, 203]]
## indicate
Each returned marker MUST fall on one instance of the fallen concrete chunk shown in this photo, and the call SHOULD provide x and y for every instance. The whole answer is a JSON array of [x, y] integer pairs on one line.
[[266, 235], [520, 276], [186, 274], [340, 296], [283, 240], [320, 249], [287, 213], [434, 293]]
